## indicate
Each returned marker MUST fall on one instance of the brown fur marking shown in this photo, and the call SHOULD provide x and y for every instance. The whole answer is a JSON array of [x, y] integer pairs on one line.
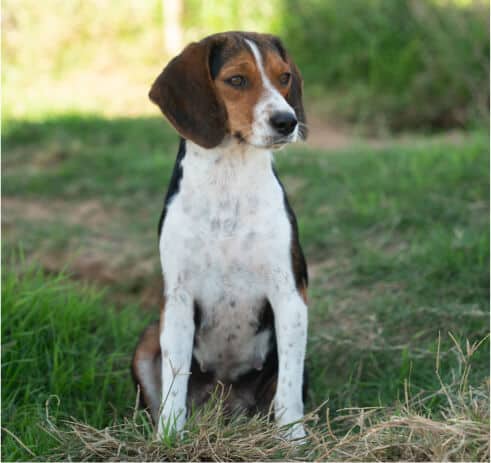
[[240, 102], [275, 67], [303, 293], [147, 349]]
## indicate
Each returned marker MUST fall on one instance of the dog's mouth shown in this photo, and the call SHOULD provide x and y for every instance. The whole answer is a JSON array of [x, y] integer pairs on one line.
[[274, 142], [280, 142]]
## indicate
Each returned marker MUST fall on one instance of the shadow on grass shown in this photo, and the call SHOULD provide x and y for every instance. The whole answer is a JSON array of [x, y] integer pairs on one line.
[[75, 156]]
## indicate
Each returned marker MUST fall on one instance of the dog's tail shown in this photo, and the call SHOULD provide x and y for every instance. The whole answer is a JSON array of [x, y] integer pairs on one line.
[[146, 368]]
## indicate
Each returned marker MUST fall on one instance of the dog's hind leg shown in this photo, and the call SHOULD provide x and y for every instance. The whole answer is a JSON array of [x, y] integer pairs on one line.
[[146, 369]]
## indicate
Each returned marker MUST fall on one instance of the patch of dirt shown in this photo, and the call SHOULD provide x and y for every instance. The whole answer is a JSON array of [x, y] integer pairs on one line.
[[293, 184], [323, 135], [347, 320], [330, 136], [317, 269], [140, 283], [121, 265], [89, 213]]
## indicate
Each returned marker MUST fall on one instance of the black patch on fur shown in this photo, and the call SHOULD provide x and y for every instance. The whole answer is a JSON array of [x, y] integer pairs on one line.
[[223, 51], [216, 59], [299, 266], [266, 318], [279, 48], [197, 316], [238, 135], [175, 181]]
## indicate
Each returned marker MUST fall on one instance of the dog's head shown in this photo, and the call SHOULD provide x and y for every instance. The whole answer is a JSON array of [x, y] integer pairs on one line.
[[233, 85]]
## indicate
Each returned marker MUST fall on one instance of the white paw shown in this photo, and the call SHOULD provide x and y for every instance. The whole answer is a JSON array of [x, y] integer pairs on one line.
[[295, 433], [290, 419]]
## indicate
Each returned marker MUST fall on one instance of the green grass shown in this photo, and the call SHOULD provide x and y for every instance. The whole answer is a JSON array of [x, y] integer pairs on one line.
[[397, 240], [64, 351], [66, 355]]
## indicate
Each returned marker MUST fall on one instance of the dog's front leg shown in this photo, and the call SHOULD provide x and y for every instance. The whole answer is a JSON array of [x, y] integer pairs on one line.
[[176, 343], [290, 314]]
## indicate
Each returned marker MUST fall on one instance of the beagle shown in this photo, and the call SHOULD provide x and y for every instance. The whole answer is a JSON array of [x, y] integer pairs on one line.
[[235, 277]]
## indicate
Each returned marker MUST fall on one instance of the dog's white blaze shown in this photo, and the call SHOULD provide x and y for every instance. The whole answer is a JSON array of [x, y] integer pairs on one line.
[[270, 102]]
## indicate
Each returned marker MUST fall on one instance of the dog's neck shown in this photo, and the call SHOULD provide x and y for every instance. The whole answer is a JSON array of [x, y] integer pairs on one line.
[[229, 162]]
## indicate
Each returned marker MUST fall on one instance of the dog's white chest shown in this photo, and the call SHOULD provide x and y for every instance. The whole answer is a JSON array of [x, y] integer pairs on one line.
[[225, 241]]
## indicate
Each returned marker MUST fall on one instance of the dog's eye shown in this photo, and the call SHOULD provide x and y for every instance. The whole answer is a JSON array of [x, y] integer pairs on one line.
[[237, 81], [285, 78]]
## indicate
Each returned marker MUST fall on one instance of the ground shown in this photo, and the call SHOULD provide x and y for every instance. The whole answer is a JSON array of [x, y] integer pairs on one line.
[[395, 233]]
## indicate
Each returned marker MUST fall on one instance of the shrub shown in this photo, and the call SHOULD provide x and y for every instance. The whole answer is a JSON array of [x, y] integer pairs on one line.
[[399, 63]]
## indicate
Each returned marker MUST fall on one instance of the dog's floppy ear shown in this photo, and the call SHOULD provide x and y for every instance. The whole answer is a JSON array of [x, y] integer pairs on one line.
[[294, 96], [186, 95]]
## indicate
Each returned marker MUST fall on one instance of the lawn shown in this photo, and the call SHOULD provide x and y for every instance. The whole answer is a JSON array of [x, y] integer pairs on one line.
[[397, 241]]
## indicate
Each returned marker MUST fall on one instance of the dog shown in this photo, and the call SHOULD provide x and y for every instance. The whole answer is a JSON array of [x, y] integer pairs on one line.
[[235, 276]]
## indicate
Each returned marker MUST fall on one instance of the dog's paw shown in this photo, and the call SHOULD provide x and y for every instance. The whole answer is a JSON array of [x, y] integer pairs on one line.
[[291, 424], [296, 433]]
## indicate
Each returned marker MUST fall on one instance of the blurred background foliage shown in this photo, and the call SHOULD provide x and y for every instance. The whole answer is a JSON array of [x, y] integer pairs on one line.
[[389, 64]]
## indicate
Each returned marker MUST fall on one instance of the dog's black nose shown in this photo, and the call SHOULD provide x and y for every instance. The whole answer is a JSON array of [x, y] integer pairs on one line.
[[283, 122]]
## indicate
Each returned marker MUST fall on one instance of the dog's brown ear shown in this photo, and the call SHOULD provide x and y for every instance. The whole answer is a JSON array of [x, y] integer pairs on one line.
[[294, 96], [186, 95]]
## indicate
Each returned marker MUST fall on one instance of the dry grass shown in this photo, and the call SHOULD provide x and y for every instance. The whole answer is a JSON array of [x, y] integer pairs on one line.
[[459, 431]]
